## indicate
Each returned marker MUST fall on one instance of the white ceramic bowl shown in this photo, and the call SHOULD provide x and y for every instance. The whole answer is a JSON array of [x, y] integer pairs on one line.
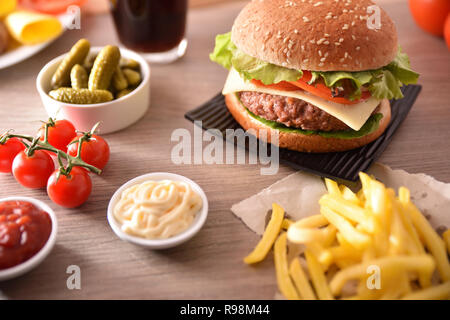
[[113, 115], [35, 260], [157, 244]]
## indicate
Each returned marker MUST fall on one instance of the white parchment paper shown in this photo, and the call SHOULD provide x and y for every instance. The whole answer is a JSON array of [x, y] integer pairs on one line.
[[299, 194]]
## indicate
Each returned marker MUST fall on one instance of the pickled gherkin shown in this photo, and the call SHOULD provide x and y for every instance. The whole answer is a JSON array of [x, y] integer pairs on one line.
[[129, 63], [123, 93], [133, 77], [119, 81], [77, 55], [81, 96], [78, 77], [104, 67]]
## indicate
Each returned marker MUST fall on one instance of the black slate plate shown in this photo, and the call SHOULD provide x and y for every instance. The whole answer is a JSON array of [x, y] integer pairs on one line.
[[344, 165]]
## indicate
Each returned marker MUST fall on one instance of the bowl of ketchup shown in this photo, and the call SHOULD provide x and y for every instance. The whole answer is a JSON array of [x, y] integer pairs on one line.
[[28, 230]]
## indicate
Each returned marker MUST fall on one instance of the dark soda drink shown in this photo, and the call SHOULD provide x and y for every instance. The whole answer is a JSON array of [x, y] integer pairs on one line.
[[150, 25]]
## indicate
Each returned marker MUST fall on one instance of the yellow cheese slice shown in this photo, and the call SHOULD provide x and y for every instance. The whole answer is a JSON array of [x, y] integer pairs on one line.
[[354, 115], [32, 28], [7, 6]]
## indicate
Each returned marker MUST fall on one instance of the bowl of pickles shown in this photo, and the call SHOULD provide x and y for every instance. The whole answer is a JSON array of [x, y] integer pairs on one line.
[[88, 84]]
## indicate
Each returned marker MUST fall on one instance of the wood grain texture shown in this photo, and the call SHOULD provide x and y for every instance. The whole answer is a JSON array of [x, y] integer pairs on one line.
[[210, 265]]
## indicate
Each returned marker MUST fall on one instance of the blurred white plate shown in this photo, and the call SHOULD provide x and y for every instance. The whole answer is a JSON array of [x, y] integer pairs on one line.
[[22, 53]]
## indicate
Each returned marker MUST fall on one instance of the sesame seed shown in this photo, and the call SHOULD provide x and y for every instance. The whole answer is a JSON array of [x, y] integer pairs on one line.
[[326, 42], [320, 53], [318, 4], [320, 64], [353, 37], [345, 54], [320, 40], [345, 27], [328, 17], [353, 23], [322, 59], [312, 41], [326, 35], [295, 31], [303, 47], [257, 28], [326, 54], [341, 40], [305, 61], [337, 43], [341, 60], [357, 48], [305, 19]]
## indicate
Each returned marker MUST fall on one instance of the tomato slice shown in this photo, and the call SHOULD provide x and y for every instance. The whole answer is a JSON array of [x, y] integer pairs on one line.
[[317, 89], [50, 6]]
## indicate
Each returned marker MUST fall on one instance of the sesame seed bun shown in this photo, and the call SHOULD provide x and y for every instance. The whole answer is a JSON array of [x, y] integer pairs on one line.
[[306, 143], [319, 35]]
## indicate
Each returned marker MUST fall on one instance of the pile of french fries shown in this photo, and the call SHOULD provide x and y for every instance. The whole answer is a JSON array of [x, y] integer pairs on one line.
[[366, 245]]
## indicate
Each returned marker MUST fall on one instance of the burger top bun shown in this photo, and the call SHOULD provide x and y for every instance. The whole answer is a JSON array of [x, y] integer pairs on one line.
[[319, 35]]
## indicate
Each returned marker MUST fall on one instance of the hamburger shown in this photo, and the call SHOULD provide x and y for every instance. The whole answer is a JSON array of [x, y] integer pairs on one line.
[[318, 72]]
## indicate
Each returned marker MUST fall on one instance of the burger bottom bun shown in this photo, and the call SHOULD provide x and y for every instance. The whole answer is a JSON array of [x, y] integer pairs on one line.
[[306, 143]]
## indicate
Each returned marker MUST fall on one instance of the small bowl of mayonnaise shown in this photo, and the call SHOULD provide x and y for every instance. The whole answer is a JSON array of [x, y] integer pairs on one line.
[[158, 210]]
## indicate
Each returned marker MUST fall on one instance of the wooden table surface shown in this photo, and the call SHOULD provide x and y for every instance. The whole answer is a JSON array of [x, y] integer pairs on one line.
[[210, 265]]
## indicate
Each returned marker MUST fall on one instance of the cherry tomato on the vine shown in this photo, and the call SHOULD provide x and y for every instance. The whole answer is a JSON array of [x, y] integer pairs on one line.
[[69, 191], [8, 152], [60, 134], [33, 171], [95, 151]]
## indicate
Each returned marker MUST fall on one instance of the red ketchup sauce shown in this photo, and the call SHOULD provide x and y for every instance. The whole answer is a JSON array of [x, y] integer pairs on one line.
[[24, 230]]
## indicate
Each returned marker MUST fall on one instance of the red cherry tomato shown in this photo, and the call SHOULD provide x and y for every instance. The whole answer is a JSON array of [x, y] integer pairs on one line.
[[33, 172], [69, 191], [447, 31], [8, 152], [59, 135], [95, 151], [430, 15], [50, 6]]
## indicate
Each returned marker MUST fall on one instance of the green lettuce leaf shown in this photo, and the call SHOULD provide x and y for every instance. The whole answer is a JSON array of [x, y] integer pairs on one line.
[[227, 55], [382, 83], [252, 68]]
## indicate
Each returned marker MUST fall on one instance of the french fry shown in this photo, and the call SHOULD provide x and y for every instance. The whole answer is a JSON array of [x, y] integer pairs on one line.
[[315, 221], [301, 281], [356, 238], [439, 292], [306, 235], [344, 252], [285, 284], [446, 237], [270, 234], [348, 210], [404, 199], [330, 235], [432, 241], [349, 195], [332, 187], [286, 224], [322, 255], [318, 277], [423, 263]]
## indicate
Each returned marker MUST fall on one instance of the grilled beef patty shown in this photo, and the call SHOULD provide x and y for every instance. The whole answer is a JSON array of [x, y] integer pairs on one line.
[[291, 112]]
